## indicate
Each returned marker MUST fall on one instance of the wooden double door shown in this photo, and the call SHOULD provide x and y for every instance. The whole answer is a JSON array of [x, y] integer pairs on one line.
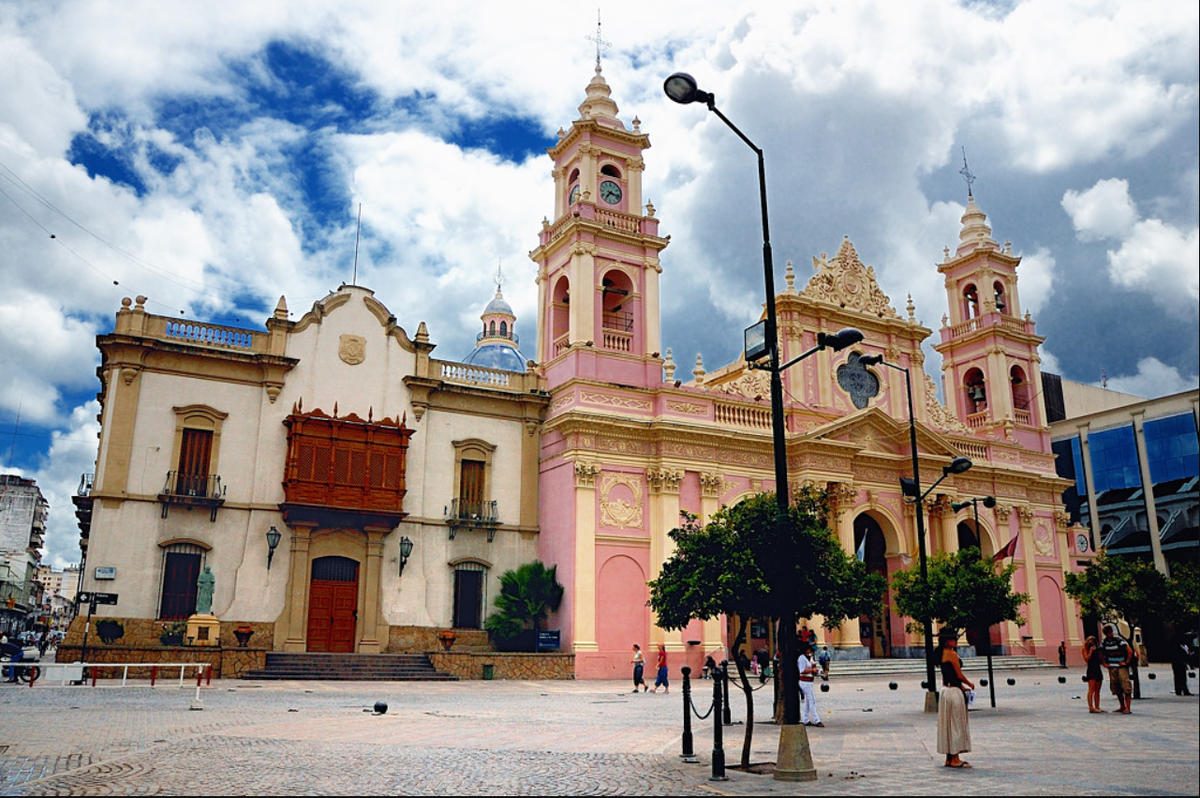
[[333, 605]]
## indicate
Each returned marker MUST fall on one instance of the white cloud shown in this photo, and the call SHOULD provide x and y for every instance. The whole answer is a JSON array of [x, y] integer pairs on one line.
[[1103, 211], [1154, 257], [1036, 280], [1154, 379], [72, 453]]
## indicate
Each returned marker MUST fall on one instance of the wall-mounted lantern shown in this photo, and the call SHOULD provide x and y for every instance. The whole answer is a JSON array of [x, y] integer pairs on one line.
[[273, 536], [406, 547]]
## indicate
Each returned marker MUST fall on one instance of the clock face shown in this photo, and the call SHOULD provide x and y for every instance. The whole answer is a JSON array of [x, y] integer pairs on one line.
[[610, 192], [1081, 542], [574, 195]]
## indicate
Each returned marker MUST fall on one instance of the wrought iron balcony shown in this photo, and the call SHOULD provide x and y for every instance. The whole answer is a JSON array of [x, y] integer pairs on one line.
[[192, 490], [484, 515]]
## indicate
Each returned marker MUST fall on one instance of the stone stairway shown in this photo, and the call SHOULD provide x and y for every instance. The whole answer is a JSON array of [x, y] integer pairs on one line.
[[885, 667], [299, 666]]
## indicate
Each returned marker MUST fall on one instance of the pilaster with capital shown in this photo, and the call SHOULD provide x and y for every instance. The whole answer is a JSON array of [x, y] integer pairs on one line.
[[1028, 560], [585, 556], [664, 516], [297, 592], [582, 314]]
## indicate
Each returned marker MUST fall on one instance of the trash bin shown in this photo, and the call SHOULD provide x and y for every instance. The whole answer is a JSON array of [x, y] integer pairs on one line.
[[489, 670]]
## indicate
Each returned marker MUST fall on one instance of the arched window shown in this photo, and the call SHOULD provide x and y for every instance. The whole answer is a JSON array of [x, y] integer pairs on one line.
[[1001, 299], [492, 328], [503, 329], [1022, 397], [976, 390], [560, 324], [970, 302], [610, 170]]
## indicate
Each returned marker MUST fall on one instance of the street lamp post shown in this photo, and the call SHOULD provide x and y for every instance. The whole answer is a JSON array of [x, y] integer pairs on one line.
[[988, 502], [794, 761], [912, 489]]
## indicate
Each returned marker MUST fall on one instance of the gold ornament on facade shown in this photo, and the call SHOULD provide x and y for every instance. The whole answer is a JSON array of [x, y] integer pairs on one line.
[[1043, 541], [585, 474], [352, 349], [1025, 513], [751, 385], [664, 480], [621, 512], [1003, 511], [938, 415], [712, 485], [846, 282]]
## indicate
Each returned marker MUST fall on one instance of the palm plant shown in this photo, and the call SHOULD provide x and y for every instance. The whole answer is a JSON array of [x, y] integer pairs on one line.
[[527, 596]]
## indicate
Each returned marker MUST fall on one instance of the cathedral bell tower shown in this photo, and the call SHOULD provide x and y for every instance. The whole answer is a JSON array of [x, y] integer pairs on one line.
[[597, 260], [989, 350]]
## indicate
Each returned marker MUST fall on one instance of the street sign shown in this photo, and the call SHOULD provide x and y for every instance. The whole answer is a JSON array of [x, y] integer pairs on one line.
[[86, 597]]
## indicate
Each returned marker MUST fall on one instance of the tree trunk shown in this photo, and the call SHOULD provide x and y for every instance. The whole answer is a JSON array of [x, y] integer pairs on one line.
[[746, 689]]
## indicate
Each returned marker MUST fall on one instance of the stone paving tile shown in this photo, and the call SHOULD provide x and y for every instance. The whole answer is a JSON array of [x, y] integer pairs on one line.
[[542, 738]]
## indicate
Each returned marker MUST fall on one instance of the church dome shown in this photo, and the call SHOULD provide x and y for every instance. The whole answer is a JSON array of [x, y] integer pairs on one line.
[[496, 346]]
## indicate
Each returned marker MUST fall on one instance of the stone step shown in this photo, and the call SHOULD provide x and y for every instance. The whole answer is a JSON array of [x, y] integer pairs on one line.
[[883, 667], [301, 666]]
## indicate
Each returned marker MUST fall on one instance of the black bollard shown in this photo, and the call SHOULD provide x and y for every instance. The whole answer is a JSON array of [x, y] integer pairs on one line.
[[726, 717], [718, 752], [688, 755]]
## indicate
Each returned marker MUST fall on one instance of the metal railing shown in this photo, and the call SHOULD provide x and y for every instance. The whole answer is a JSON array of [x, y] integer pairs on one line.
[[200, 486]]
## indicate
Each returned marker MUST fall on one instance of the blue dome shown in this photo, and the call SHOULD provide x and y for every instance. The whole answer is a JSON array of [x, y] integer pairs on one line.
[[497, 356], [499, 305]]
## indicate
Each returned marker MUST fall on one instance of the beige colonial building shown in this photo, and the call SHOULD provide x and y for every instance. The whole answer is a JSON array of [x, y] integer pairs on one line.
[[342, 485]]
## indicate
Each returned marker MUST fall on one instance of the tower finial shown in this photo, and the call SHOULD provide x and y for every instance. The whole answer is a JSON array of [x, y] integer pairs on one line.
[[966, 173], [498, 278], [599, 40]]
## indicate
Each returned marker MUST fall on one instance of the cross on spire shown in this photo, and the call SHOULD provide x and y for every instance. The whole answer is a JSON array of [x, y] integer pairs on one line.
[[966, 173], [599, 40]]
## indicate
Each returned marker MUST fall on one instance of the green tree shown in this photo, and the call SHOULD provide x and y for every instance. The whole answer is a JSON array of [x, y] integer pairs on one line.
[[748, 562], [1184, 596], [1122, 588], [527, 596], [965, 591], [1116, 588]]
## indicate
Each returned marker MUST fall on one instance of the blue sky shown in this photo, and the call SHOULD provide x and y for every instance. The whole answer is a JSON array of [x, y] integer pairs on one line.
[[214, 156]]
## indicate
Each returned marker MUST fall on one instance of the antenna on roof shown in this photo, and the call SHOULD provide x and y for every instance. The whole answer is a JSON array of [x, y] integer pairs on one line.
[[354, 279], [966, 173]]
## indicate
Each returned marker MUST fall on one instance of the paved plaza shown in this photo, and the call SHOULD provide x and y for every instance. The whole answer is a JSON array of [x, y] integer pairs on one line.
[[544, 738]]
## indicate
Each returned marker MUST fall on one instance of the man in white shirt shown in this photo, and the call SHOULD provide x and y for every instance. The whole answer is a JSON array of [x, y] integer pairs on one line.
[[808, 698]]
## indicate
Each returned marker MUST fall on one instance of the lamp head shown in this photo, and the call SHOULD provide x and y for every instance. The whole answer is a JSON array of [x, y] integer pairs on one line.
[[839, 340], [957, 466], [406, 547], [870, 360], [681, 87], [989, 502], [273, 536], [956, 506]]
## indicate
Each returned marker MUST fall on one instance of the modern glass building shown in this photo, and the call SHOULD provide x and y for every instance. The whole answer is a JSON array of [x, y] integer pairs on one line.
[[1136, 470]]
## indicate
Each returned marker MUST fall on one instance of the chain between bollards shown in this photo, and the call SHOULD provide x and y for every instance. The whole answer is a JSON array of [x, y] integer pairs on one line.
[[718, 752], [688, 754]]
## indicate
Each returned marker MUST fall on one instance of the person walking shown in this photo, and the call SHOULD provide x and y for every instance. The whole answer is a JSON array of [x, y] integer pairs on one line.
[[1093, 657], [823, 660], [661, 677], [1117, 656], [953, 732], [1181, 657], [809, 716], [1062, 654], [639, 667]]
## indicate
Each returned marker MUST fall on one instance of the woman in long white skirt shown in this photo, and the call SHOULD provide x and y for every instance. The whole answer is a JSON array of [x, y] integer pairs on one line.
[[954, 735]]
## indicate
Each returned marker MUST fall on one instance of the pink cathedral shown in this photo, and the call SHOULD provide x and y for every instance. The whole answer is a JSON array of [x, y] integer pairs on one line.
[[627, 445]]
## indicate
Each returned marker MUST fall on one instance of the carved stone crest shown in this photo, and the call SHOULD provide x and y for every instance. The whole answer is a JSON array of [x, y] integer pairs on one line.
[[352, 349], [621, 500]]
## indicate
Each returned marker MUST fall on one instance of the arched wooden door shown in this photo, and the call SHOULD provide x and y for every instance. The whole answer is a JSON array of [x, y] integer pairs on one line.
[[333, 605]]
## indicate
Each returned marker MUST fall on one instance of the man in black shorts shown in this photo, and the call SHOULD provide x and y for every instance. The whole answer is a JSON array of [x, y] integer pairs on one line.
[[1117, 656]]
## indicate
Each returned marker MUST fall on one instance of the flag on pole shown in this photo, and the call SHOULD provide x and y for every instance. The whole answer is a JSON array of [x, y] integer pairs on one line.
[[1009, 550], [862, 550]]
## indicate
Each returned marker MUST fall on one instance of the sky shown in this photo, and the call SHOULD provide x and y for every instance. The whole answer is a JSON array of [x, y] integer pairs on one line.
[[214, 157]]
